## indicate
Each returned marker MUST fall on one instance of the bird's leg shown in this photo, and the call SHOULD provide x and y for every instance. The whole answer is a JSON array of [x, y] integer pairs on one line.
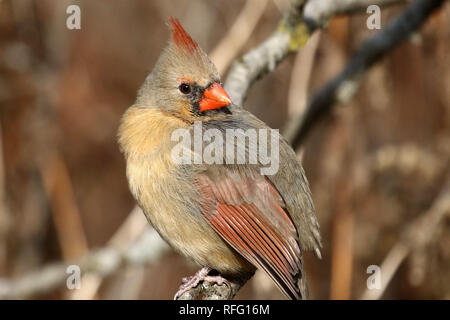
[[201, 275], [191, 282]]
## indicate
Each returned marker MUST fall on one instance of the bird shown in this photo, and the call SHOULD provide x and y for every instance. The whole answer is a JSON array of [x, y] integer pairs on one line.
[[229, 217]]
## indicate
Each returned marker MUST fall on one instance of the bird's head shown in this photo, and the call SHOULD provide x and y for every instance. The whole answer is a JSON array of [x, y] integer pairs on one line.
[[184, 82]]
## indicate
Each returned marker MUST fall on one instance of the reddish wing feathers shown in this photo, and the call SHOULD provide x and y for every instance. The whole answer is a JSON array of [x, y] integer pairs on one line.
[[181, 38], [247, 212]]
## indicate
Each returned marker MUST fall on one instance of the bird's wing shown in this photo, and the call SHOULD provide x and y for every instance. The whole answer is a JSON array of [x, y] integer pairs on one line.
[[248, 212]]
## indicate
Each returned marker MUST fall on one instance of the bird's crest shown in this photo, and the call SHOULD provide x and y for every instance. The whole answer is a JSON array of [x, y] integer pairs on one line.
[[181, 38]]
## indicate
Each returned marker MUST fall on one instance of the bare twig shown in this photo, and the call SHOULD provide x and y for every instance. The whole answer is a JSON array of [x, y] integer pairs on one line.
[[129, 231], [345, 84], [416, 236], [318, 12], [66, 215], [239, 33], [294, 30], [146, 250], [342, 244], [301, 76], [289, 36], [5, 218], [299, 84], [212, 291]]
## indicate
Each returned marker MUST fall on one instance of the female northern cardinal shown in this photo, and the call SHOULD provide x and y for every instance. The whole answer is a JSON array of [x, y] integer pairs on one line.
[[227, 217]]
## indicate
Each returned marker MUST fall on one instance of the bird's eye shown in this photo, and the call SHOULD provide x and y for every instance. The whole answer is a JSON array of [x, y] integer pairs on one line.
[[184, 88]]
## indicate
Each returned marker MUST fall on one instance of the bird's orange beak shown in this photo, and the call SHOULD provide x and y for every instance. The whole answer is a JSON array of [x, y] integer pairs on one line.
[[214, 97]]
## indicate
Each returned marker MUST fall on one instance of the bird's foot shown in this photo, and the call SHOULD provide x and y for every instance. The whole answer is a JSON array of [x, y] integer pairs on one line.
[[200, 276], [191, 282]]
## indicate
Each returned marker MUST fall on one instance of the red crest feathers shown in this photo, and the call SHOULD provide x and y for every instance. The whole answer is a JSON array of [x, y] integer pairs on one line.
[[181, 38]]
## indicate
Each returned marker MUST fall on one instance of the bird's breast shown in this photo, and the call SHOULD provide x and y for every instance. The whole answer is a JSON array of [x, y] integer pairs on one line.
[[164, 190]]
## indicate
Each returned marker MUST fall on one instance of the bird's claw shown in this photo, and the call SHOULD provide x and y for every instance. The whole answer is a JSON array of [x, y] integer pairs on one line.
[[201, 276]]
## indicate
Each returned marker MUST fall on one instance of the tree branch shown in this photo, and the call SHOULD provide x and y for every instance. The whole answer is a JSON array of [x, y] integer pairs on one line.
[[345, 84], [318, 12], [290, 34], [415, 236], [146, 250], [213, 291]]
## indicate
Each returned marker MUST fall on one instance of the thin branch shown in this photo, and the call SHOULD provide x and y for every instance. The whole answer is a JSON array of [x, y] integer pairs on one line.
[[415, 237], [146, 250], [5, 219], [301, 76], [345, 84], [130, 230], [298, 90], [290, 34], [65, 211], [318, 12], [213, 291], [239, 33]]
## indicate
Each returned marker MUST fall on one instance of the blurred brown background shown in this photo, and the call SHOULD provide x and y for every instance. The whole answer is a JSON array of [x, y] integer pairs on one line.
[[375, 166]]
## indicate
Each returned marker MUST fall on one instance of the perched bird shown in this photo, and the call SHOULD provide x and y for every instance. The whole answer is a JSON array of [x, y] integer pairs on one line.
[[228, 217]]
